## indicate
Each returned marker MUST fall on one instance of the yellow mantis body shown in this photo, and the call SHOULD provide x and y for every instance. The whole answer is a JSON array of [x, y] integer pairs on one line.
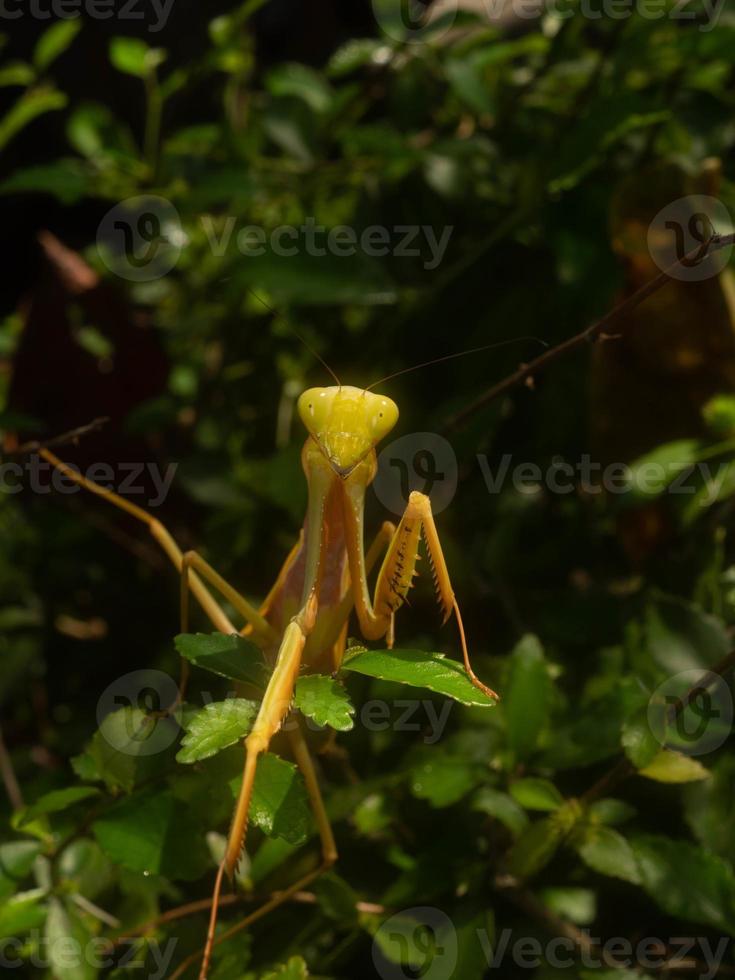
[[302, 625]]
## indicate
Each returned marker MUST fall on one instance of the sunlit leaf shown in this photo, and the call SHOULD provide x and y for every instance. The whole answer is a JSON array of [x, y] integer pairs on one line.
[[227, 655], [216, 726], [325, 701], [432, 671], [674, 767], [279, 804], [54, 41]]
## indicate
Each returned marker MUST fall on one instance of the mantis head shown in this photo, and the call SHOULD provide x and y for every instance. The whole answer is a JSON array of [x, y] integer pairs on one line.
[[346, 423]]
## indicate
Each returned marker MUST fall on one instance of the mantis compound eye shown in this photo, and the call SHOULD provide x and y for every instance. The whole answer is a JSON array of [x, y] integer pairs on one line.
[[314, 407], [385, 416]]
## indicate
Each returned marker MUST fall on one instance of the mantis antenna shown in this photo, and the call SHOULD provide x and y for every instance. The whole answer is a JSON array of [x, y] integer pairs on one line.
[[308, 346], [451, 357]]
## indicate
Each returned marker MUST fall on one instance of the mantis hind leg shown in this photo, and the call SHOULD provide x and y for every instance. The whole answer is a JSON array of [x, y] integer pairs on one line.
[[187, 564]]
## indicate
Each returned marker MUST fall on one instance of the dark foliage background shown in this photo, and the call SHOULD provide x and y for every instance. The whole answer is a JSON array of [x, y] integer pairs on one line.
[[548, 145]]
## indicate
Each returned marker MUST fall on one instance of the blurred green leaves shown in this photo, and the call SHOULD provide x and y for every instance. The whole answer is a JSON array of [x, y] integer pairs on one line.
[[525, 701]]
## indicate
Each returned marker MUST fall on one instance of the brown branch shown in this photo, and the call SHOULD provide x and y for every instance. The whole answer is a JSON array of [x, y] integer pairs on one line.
[[555, 925], [597, 331], [8, 776], [204, 904], [73, 435]]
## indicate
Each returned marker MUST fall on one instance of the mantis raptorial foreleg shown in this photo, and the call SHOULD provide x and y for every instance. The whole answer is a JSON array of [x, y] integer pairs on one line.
[[398, 570], [397, 573]]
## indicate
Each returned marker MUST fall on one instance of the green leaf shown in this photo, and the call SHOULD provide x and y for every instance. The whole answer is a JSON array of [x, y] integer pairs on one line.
[[443, 781], [16, 861], [354, 54], [639, 740], [65, 179], [279, 805], [98, 135], [536, 794], [605, 850], [54, 802], [611, 811], [54, 41], [321, 280], [502, 807], [651, 474], [526, 699], [579, 905], [336, 898], [22, 912], [16, 73], [216, 726], [680, 635], [686, 881], [153, 833], [720, 487], [432, 671], [229, 656], [85, 868], [119, 748], [303, 82], [674, 767], [708, 809], [134, 57], [294, 969], [325, 701], [468, 81], [535, 847], [719, 414], [33, 103], [67, 941]]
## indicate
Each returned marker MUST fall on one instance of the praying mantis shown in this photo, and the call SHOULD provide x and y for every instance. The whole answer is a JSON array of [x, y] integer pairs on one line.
[[302, 624]]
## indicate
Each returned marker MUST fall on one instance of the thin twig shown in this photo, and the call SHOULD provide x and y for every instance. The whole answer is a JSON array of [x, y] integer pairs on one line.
[[596, 331], [555, 925], [73, 435], [8, 775], [95, 910], [204, 904]]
